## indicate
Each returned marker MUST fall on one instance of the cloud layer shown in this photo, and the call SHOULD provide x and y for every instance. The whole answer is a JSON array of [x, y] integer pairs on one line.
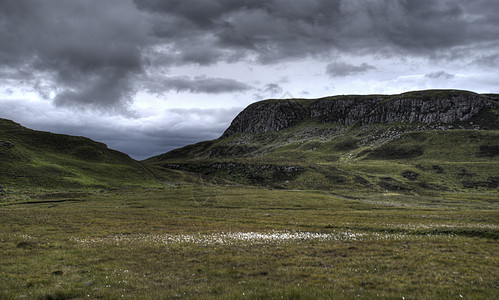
[[88, 50], [92, 53], [195, 85]]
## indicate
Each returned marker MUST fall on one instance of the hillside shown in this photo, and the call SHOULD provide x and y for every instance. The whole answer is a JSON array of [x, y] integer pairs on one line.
[[31, 159], [416, 142]]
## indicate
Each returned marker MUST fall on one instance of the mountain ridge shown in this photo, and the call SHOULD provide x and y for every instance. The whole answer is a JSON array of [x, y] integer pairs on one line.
[[429, 106]]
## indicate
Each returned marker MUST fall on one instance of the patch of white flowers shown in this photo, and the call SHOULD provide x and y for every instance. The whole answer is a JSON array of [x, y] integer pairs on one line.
[[225, 238]]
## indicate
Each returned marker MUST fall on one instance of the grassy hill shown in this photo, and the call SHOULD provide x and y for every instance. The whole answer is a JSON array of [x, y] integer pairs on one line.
[[408, 157], [31, 159]]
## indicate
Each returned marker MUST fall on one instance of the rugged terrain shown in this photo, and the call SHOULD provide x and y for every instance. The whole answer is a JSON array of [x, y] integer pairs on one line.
[[425, 141]]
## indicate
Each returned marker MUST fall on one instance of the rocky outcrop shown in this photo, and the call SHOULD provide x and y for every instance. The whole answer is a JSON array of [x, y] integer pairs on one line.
[[413, 107], [427, 107], [7, 144], [344, 110], [265, 116]]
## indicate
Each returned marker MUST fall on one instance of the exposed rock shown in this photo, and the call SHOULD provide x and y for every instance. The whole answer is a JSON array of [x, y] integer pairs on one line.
[[421, 107], [427, 107], [344, 110], [266, 116], [411, 175], [7, 144]]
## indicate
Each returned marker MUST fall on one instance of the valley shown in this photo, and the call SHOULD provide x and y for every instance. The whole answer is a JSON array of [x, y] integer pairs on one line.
[[390, 196]]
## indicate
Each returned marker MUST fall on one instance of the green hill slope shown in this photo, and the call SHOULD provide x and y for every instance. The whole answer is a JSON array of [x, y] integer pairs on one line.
[[414, 142], [30, 158]]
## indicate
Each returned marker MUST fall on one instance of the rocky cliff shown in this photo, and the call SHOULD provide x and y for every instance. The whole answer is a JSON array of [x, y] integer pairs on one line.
[[270, 115], [427, 107]]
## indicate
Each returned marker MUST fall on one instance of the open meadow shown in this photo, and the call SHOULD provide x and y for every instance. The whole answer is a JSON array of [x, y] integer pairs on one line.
[[206, 241]]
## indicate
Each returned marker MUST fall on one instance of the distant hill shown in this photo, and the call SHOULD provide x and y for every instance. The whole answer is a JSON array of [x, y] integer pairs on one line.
[[31, 159], [423, 141]]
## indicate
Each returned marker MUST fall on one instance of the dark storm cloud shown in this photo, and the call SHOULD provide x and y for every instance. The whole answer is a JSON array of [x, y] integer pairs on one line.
[[340, 69], [195, 85], [439, 75], [283, 29], [88, 49]]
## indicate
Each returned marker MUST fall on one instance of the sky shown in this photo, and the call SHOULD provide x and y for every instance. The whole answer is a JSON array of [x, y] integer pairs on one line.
[[149, 76]]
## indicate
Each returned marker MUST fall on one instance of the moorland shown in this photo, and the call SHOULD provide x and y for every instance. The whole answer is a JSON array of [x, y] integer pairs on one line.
[[389, 196]]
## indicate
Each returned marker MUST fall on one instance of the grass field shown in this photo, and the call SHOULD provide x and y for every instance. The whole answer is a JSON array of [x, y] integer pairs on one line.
[[204, 241]]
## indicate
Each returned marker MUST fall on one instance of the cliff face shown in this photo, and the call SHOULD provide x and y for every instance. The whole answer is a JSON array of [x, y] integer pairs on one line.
[[415, 107], [268, 116]]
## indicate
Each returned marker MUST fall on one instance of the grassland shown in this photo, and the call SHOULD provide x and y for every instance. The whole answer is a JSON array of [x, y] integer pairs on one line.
[[37, 159], [211, 242], [380, 158]]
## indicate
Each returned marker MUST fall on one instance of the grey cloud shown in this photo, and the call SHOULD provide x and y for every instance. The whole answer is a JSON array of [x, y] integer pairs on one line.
[[439, 75], [195, 85], [340, 69], [43, 88], [487, 60], [201, 55], [277, 29], [272, 89], [89, 50]]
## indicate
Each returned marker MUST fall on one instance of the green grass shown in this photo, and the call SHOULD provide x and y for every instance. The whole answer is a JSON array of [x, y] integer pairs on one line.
[[335, 157], [46, 160], [111, 244]]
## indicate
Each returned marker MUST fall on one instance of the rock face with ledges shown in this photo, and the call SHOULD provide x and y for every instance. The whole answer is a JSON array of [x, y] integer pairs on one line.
[[433, 106], [265, 116]]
